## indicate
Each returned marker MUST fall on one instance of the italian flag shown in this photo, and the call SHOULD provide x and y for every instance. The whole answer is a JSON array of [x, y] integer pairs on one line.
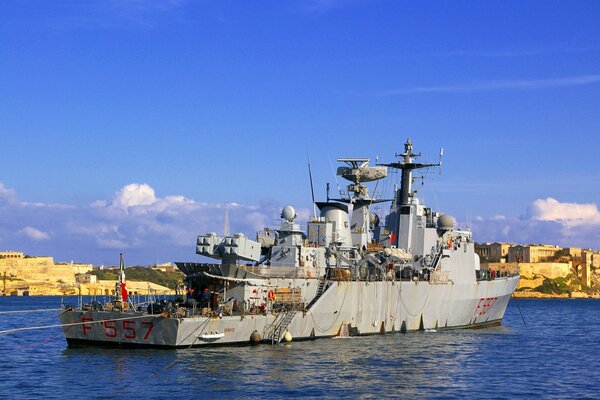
[[122, 281]]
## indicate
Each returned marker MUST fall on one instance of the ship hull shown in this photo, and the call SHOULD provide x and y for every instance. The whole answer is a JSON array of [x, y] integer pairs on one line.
[[345, 308]]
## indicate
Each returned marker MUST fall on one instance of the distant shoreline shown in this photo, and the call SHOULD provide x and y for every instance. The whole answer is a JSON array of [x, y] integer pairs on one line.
[[538, 295]]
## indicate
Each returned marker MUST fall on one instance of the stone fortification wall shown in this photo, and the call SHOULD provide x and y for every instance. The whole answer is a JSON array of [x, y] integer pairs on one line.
[[530, 270], [549, 270], [533, 274], [41, 269], [42, 276]]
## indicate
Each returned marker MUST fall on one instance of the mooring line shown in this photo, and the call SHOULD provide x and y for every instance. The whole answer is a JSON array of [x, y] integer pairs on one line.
[[519, 307], [25, 311], [31, 328]]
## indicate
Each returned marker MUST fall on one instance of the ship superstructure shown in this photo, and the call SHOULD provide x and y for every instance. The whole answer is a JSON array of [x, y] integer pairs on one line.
[[346, 274]]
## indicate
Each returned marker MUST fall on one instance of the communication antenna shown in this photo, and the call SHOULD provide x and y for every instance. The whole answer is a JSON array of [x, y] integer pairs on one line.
[[441, 155], [312, 189]]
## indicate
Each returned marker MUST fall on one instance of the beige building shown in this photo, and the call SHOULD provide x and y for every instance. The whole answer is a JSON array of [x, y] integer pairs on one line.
[[588, 261], [492, 252], [85, 278], [591, 258], [166, 267], [10, 255], [533, 253]]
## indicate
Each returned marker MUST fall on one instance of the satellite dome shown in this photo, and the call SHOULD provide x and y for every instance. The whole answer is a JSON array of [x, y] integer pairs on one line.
[[445, 223], [239, 235], [288, 213]]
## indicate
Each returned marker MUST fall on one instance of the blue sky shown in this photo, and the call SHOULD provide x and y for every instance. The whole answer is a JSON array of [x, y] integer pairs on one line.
[[130, 125]]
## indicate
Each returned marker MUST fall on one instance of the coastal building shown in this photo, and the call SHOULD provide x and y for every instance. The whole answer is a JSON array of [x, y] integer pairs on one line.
[[537, 262], [493, 252], [10, 255], [587, 263], [533, 253], [591, 258], [166, 267], [85, 278]]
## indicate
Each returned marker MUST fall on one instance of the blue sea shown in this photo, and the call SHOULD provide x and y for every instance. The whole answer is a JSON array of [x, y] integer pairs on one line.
[[554, 354]]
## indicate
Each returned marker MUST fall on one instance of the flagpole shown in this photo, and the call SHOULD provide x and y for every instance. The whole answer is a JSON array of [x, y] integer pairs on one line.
[[118, 288], [122, 281]]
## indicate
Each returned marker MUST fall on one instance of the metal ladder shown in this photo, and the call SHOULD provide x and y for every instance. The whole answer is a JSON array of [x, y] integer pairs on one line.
[[437, 256], [320, 290], [283, 320], [288, 317]]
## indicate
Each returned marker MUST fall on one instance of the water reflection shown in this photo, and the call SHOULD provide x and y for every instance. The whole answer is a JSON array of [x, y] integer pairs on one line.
[[395, 364]]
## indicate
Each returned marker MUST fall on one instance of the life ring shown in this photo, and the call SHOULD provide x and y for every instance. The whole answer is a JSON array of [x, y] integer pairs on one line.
[[271, 294]]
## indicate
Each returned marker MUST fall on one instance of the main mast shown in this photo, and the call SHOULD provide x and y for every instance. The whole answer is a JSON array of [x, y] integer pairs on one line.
[[403, 207], [407, 165]]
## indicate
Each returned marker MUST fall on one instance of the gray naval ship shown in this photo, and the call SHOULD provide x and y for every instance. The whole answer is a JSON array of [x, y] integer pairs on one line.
[[346, 275]]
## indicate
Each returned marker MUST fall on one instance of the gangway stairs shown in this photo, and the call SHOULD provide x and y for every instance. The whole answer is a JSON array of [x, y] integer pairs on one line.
[[320, 290], [277, 328]]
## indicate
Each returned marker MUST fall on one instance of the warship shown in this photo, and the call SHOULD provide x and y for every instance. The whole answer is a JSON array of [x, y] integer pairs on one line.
[[348, 274]]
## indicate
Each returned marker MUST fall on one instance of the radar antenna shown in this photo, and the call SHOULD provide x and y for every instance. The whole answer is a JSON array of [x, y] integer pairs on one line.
[[358, 171]]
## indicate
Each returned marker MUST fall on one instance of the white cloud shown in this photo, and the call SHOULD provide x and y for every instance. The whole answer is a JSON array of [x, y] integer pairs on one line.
[[148, 227], [545, 221], [571, 214], [33, 233], [135, 219], [503, 84], [134, 194], [6, 194]]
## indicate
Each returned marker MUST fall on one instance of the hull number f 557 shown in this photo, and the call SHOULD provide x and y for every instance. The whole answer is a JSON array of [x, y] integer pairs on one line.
[[485, 304], [125, 329]]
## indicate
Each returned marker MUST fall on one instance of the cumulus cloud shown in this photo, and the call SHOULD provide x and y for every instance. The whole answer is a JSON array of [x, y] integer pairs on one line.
[[570, 214], [545, 221], [34, 234], [134, 194], [135, 220]]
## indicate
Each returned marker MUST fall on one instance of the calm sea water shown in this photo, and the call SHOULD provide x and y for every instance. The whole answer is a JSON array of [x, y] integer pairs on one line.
[[555, 355]]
